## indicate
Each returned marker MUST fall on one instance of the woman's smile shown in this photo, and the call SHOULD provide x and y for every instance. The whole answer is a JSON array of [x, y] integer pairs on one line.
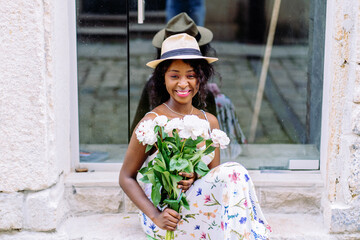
[[182, 93]]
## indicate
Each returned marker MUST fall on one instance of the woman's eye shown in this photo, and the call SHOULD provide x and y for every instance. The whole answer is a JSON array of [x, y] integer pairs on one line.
[[173, 76], [191, 76]]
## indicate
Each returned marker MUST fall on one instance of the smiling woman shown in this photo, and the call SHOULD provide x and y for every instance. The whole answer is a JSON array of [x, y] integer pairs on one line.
[[189, 69], [223, 193], [183, 79]]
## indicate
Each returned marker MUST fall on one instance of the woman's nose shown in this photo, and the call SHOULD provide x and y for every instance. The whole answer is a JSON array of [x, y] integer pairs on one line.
[[183, 83]]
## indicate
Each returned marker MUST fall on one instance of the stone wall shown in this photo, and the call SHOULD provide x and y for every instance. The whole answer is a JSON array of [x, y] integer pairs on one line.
[[341, 119], [34, 116]]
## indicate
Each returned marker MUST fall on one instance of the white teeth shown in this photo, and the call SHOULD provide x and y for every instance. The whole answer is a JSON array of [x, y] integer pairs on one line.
[[182, 92]]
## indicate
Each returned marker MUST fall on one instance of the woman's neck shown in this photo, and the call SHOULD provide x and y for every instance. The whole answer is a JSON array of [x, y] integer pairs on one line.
[[180, 109]]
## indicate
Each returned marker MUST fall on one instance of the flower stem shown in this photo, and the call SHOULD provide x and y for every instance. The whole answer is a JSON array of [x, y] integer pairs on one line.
[[182, 148], [169, 235], [207, 147]]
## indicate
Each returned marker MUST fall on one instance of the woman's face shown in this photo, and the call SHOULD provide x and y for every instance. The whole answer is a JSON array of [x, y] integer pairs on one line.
[[181, 82]]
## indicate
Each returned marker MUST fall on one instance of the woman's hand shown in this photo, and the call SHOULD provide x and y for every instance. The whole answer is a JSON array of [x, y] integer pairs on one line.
[[187, 182], [167, 219]]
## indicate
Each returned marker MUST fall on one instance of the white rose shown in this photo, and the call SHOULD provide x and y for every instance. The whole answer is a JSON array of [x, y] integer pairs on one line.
[[161, 120], [219, 138], [145, 132], [194, 127], [175, 123]]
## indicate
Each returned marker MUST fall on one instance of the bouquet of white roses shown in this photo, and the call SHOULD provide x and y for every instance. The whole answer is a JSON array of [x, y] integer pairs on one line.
[[177, 143]]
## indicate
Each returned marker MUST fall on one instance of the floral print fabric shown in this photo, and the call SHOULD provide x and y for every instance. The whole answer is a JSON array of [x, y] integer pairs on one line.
[[223, 205]]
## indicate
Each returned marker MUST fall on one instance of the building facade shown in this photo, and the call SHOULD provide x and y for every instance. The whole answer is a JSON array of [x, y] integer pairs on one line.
[[38, 118]]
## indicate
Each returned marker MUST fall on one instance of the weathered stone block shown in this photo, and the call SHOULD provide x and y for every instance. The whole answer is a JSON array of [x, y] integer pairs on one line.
[[290, 200], [356, 98], [11, 211], [354, 178], [87, 200], [33, 236], [355, 121], [345, 220], [45, 209]]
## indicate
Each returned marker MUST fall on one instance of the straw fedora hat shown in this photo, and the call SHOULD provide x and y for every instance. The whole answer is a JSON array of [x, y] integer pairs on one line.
[[182, 23], [180, 46]]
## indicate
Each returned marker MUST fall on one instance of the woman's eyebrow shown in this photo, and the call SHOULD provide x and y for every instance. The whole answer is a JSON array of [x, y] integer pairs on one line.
[[174, 70]]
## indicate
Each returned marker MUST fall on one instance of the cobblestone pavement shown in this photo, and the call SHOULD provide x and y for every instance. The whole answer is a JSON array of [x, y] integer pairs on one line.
[[103, 93]]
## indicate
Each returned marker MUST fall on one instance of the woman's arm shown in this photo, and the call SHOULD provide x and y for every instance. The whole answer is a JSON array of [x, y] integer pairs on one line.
[[134, 159], [214, 123]]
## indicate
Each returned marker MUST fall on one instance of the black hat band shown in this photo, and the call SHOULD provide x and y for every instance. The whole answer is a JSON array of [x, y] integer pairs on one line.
[[181, 51]]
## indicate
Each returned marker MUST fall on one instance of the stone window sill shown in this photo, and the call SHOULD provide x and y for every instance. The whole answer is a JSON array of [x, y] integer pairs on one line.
[[260, 178]]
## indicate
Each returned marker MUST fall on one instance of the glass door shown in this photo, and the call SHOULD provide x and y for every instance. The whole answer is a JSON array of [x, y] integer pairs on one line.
[[267, 91], [102, 82]]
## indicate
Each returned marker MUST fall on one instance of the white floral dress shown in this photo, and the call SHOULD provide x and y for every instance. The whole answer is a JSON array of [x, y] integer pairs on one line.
[[223, 205]]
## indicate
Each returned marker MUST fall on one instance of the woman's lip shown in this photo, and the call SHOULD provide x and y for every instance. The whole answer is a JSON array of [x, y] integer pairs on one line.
[[183, 93]]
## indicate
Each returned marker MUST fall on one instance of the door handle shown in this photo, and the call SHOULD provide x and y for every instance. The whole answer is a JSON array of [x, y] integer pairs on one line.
[[141, 11]]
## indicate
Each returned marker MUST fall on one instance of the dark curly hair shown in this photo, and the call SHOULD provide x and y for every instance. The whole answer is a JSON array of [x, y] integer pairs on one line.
[[158, 93]]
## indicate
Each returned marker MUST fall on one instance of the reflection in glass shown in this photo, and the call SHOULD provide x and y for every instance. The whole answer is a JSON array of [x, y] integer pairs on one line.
[[102, 79]]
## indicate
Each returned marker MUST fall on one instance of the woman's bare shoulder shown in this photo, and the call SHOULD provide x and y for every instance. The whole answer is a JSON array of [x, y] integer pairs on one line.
[[158, 111], [214, 123]]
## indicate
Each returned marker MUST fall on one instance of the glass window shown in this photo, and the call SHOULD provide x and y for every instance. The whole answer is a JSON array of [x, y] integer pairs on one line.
[[276, 127], [102, 80]]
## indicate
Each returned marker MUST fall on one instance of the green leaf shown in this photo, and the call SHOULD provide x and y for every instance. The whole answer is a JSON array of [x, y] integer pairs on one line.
[[208, 142], [176, 156], [156, 194], [178, 164], [189, 168], [190, 150], [209, 150], [173, 204], [195, 157], [162, 133], [165, 157], [170, 139], [193, 143], [145, 179], [173, 146], [188, 156], [166, 148], [201, 168], [166, 181], [159, 168], [143, 170], [185, 203], [150, 164], [177, 138], [151, 176], [160, 162], [175, 179], [159, 142], [148, 148], [156, 129]]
